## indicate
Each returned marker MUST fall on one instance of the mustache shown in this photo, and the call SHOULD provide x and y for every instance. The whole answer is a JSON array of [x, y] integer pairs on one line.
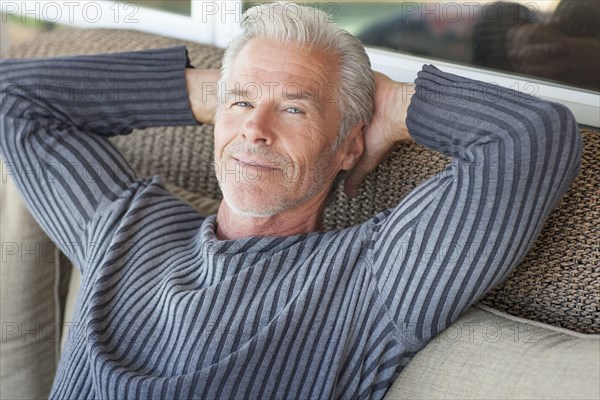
[[264, 153]]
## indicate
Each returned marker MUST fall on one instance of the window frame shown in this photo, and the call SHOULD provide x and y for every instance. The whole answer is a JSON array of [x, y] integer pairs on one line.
[[584, 104]]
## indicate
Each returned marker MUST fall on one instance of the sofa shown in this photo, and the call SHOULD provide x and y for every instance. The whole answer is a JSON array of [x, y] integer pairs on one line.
[[536, 336]]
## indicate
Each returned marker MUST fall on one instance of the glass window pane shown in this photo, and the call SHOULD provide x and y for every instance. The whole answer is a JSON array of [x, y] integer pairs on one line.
[[554, 40], [183, 7]]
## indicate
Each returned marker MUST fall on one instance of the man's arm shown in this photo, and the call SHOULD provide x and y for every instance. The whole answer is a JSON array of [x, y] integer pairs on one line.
[[56, 115], [461, 232]]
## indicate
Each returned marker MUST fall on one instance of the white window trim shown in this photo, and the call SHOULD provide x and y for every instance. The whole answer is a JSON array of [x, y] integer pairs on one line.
[[584, 104], [217, 26]]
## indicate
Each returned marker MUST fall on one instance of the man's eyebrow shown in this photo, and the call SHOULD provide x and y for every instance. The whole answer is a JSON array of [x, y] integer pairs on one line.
[[302, 95], [237, 92]]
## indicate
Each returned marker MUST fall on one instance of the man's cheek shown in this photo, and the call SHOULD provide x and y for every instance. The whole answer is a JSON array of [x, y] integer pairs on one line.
[[221, 142], [225, 126]]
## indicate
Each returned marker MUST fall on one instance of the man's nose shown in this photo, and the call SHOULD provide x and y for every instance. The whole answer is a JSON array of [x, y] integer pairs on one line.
[[257, 127]]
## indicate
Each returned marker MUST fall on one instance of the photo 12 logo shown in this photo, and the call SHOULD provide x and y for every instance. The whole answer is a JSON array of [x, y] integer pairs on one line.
[[228, 11], [71, 11]]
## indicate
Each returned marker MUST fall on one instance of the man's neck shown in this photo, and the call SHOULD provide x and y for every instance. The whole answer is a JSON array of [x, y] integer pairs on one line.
[[303, 219]]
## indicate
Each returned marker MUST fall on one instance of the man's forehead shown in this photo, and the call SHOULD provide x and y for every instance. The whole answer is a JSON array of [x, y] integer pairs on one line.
[[264, 66], [268, 60], [254, 75]]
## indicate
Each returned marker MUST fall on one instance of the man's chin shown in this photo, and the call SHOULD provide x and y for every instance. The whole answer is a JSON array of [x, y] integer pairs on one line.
[[261, 202], [252, 213], [256, 205], [252, 210]]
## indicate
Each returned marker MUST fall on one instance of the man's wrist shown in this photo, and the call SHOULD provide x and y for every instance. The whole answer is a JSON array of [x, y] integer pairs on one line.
[[402, 96], [202, 85]]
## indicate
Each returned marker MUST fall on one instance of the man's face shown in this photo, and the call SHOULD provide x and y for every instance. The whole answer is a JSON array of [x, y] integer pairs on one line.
[[275, 131]]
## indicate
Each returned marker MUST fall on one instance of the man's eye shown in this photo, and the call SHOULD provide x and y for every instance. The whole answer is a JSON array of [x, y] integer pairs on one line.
[[241, 104], [294, 110]]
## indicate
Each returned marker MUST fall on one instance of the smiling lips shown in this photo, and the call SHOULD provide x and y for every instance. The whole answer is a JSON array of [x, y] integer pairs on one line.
[[255, 163]]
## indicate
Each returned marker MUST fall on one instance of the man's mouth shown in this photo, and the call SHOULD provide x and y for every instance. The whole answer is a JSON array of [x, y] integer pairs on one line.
[[255, 163]]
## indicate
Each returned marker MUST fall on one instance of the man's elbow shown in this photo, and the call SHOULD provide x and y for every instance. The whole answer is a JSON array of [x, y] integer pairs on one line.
[[562, 141]]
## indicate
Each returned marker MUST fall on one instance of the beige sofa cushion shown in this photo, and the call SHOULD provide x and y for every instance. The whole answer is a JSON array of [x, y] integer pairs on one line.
[[31, 284], [489, 354]]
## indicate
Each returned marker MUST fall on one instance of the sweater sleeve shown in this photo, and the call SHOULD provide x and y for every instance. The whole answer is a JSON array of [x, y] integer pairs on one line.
[[56, 115], [461, 232]]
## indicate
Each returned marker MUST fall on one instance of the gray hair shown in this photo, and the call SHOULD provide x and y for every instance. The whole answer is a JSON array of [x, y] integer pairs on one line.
[[290, 23]]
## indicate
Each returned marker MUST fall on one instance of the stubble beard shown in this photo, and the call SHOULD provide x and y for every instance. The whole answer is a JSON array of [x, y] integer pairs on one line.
[[273, 202]]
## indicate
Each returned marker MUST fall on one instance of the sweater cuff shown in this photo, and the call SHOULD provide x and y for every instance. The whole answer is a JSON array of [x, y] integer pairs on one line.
[[169, 88]]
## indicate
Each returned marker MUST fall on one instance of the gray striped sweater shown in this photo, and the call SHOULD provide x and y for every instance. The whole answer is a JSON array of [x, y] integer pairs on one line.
[[167, 311]]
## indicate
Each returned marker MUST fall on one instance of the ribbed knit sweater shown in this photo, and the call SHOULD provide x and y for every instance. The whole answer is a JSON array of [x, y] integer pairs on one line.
[[168, 311]]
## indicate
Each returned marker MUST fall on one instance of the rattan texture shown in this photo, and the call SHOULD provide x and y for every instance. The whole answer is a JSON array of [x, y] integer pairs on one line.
[[557, 283]]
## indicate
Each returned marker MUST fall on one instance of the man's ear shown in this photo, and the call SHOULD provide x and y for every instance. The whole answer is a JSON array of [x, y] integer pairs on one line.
[[353, 146]]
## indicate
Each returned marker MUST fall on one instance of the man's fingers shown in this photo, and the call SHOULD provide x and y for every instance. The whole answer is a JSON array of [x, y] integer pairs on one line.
[[353, 181], [386, 129], [357, 175]]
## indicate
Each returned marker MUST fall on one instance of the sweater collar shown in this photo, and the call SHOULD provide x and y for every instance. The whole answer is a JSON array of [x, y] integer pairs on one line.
[[256, 244]]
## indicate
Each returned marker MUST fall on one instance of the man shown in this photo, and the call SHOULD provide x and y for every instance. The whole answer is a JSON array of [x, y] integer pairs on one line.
[[257, 301]]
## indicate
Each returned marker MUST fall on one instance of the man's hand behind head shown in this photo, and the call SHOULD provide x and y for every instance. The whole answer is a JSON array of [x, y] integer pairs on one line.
[[386, 130]]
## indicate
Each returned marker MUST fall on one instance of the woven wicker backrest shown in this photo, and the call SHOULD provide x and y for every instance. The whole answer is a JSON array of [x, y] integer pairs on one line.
[[557, 283]]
